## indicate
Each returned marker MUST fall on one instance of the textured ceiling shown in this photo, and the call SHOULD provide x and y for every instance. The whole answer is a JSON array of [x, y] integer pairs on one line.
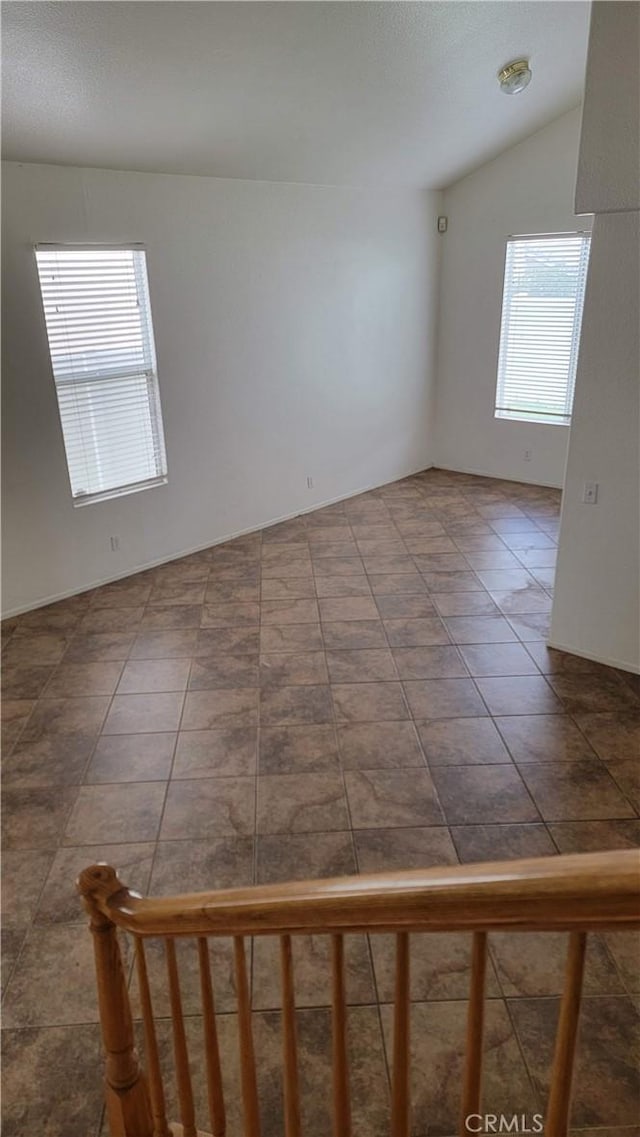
[[362, 93]]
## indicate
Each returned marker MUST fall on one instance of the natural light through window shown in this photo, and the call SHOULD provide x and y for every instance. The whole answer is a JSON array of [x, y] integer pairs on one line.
[[98, 317], [544, 284]]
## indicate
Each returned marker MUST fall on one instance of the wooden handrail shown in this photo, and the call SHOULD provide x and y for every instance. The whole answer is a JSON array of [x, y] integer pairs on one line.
[[595, 891], [586, 891]]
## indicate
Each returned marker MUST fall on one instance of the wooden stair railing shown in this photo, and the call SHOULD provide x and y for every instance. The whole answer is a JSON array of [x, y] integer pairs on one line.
[[574, 894]]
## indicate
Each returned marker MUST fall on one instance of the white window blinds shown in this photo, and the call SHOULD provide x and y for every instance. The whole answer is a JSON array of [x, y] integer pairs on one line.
[[98, 317], [544, 283]]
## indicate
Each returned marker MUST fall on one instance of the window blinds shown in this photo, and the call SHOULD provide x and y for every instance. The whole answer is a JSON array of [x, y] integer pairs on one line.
[[98, 318], [544, 283]]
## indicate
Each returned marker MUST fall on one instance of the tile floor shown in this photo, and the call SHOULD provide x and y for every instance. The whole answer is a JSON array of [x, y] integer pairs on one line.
[[363, 688]]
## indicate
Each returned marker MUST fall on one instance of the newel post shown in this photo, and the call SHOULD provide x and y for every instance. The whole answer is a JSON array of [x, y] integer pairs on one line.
[[127, 1096]]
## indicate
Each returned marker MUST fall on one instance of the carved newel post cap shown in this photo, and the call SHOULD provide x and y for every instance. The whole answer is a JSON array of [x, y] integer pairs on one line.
[[98, 878]]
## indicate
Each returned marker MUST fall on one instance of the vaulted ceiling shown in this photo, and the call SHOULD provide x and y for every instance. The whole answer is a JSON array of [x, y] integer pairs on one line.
[[360, 93]]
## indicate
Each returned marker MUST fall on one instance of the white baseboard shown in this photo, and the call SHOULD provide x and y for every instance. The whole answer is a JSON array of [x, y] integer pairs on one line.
[[621, 664], [45, 600], [496, 477]]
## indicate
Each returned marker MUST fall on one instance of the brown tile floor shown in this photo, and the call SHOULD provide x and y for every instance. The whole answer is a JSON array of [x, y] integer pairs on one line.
[[366, 687]]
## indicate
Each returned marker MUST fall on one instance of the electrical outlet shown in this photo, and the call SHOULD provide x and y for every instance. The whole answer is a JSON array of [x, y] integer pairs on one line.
[[115, 544], [309, 482], [590, 493], [527, 455]]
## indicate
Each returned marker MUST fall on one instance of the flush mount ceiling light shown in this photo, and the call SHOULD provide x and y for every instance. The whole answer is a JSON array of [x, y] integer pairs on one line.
[[515, 77]]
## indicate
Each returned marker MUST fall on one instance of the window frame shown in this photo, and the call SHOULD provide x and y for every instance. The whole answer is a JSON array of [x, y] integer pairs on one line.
[[526, 415], [150, 373]]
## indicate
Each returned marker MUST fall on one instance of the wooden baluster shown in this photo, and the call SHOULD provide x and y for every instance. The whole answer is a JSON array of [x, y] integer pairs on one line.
[[156, 1088], [341, 1100], [401, 1094], [127, 1096], [212, 1049], [566, 1037], [183, 1075], [247, 1055], [472, 1084], [291, 1089]]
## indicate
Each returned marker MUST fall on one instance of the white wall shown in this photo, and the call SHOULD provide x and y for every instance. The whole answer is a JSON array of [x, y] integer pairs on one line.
[[609, 162], [596, 610], [527, 189], [295, 336]]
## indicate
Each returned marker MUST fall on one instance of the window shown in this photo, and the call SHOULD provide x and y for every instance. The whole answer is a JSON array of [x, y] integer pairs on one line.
[[544, 282], [98, 317]]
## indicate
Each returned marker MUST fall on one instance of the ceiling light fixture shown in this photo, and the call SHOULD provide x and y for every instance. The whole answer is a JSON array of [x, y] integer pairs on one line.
[[515, 77]]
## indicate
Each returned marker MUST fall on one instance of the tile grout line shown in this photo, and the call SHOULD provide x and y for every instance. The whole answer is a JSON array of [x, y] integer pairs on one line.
[[354, 850]]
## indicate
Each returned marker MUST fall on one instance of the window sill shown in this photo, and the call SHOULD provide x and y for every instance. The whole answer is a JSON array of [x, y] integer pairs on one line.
[[122, 491], [528, 416]]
